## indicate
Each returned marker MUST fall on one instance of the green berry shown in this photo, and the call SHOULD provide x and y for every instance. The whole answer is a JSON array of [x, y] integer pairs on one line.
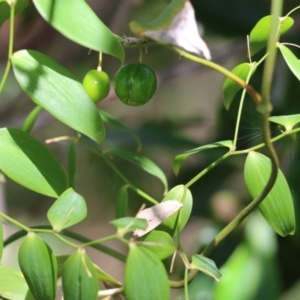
[[135, 84], [96, 84]]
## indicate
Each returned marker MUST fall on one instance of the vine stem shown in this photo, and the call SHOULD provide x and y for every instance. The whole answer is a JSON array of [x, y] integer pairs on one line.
[[252, 92], [264, 108]]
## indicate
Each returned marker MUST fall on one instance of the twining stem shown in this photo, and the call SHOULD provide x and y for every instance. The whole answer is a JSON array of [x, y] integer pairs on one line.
[[252, 92], [264, 108], [13, 221], [10, 46]]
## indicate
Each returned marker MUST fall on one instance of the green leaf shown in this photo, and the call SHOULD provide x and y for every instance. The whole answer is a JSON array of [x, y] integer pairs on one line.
[[291, 60], [79, 277], [128, 224], [5, 10], [277, 208], [177, 221], [105, 277], [31, 118], [55, 89], [206, 266], [69, 209], [145, 275], [72, 170], [109, 119], [160, 243], [261, 31], [179, 159], [1, 238], [288, 122], [230, 88], [13, 285], [122, 202], [156, 214], [141, 161], [31, 164], [78, 22]]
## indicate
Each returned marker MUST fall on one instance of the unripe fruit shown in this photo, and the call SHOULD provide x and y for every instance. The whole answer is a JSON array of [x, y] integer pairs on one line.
[[135, 84], [79, 277], [96, 84], [39, 266]]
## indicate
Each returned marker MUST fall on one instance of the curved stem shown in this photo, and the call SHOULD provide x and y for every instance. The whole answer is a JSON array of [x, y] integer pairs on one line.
[[252, 92], [72, 235], [264, 108]]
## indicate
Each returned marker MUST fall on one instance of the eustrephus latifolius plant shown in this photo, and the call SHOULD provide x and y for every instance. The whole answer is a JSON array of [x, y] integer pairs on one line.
[[156, 231]]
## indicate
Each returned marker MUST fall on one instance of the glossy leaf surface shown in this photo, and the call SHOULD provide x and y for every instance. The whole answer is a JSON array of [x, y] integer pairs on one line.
[[288, 122], [291, 60], [177, 221], [78, 22], [13, 284], [39, 266], [260, 33], [145, 275], [230, 88], [141, 161], [122, 202], [69, 209], [179, 159], [160, 243], [277, 207], [206, 266], [5, 10], [55, 89], [79, 277], [31, 164]]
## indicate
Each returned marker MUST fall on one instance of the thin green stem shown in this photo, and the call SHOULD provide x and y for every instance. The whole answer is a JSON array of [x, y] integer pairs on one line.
[[58, 236], [211, 166], [70, 234], [13, 221], [264, 109], [290, 12], [252, 92], [102, 240], [239, 115], [186, 284]]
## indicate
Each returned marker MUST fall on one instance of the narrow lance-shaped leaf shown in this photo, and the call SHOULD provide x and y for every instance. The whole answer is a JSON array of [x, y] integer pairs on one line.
[[69, 209], [291, 60], [31, 118], [30, 163], [179, 159], [177, 221], [288, 122], [5, 9], [141, 161], [13, 284], [277, 208], [122, 202], [77, 21], [145, 275], [110, 120], [206, 266], [231, 88], [260, 33], [55, 89]]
